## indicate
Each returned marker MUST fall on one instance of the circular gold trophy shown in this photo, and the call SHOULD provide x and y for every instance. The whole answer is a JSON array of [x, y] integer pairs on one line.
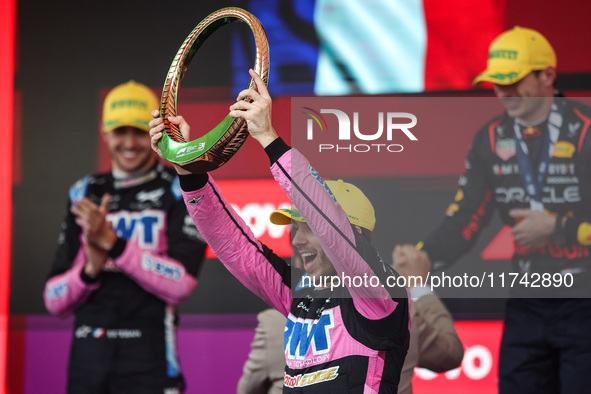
[[217, 146]]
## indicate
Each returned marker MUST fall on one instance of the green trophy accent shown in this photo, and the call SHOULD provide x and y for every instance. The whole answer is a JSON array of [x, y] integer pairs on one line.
[[182, 152], [215, 148]]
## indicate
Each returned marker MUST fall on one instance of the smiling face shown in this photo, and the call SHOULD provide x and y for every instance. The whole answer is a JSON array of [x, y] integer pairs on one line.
[[529, 99], [130, 149], [316, 263]]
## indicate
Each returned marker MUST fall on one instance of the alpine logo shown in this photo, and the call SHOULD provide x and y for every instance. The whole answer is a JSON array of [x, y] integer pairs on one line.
[[153, 195], [82, 331]]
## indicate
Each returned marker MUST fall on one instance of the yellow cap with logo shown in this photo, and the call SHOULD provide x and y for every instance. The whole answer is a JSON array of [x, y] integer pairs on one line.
[[129, 104], [356, 205], [514, 54]]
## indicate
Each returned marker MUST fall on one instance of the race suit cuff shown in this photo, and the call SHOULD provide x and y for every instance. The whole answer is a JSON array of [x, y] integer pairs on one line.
[[88, 279], [276, 149], [118, 248], [193, 182], [417, 292]]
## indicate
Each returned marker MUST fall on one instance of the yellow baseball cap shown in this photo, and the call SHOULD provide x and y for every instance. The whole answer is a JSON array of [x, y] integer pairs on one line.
[[514, 54], [356, 205], [129, 104]]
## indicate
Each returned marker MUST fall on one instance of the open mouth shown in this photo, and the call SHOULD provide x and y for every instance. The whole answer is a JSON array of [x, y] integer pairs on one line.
[[308, 258]]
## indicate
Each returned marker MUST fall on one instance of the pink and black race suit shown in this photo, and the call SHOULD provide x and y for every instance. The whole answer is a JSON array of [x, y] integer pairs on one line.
[[340, 340], [125, 319]]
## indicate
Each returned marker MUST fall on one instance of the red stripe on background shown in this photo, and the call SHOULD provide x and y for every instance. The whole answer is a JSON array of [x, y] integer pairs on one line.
[[459, 33], [7, 31]]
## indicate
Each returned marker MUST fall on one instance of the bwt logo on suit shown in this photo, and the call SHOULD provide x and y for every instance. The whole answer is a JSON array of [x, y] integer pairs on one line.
[[390, 125]]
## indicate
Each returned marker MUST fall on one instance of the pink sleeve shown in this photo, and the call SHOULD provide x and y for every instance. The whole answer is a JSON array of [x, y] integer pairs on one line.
[[328, 221], [160, 275], [64, 293], [255, 266]]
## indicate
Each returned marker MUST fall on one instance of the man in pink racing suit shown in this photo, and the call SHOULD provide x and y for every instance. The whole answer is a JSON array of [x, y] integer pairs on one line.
[[342, 339], [127, 255]]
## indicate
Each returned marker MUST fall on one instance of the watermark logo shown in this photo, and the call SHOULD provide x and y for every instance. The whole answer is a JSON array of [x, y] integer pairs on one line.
[[389, 126], [317, 118]]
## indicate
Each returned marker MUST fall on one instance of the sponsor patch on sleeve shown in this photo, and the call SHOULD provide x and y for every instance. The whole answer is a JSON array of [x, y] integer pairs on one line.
[[161, 268]]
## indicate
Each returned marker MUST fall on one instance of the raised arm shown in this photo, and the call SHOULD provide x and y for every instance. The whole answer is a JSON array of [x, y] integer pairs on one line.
[[233, 242], [349, 253]]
